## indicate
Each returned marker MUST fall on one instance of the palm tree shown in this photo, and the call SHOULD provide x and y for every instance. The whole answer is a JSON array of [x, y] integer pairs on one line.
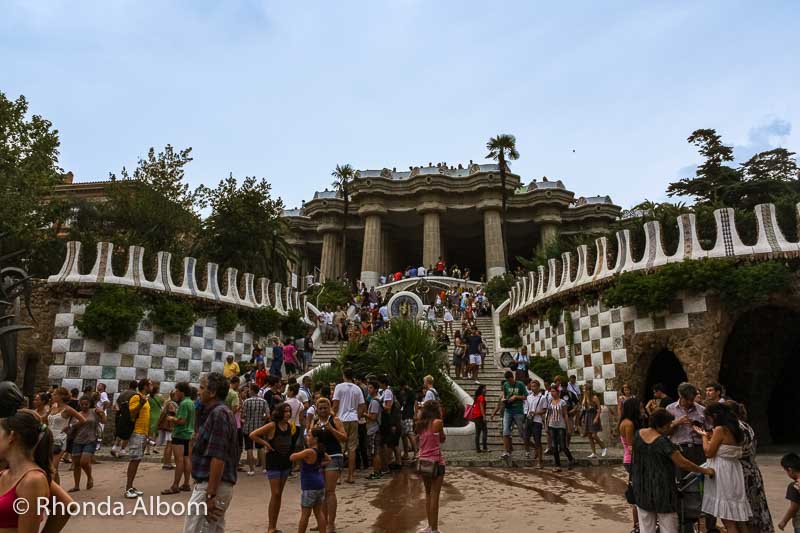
[[342, 178], [501, 148]]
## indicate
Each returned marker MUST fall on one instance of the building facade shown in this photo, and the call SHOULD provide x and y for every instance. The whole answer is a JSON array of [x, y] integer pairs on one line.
[[412, 218]]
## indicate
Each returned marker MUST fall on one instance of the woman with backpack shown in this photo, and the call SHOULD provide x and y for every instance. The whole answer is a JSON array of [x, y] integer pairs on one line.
[[478, 416]]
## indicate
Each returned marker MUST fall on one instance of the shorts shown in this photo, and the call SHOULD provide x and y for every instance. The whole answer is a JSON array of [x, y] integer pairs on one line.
[[59, 445], [278, 474], [182, 442], [164, 437], [290, 368], [310, 498], [408, 426], [475, 359], [373, 443], [308, 356], [389, 438], [136, 447], [351, 429], [534, 429], [510, 420], [89, 448], [336, 464], [249, 444]]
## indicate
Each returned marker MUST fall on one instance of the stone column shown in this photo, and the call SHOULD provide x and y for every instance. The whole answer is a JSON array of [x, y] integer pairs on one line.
[[371, 253], [431, 232], [493, 239], [548, 232], [386, 255], [330, 264]]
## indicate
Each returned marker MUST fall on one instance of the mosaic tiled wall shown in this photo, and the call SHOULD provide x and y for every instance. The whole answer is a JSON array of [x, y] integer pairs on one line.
[[598, 344], [151, 353]]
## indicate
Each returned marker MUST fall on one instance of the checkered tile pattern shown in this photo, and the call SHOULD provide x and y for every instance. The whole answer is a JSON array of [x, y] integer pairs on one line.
[[598, 343], [150, 353]]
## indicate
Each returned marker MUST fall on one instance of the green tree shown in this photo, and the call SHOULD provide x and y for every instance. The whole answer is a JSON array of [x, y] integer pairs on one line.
[[769, 176], [245, 229], [29, 218], [343, 177], [714, 182], [502, 148]]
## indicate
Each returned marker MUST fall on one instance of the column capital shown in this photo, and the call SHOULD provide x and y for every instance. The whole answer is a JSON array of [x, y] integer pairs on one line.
[[431, 207], [371, 209], [490, 204]]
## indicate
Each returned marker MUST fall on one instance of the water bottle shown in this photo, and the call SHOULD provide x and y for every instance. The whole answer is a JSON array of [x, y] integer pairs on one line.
[[208, 527]]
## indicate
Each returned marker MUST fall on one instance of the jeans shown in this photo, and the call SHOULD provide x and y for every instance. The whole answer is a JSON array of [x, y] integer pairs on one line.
[[481, 430], [558, 440]]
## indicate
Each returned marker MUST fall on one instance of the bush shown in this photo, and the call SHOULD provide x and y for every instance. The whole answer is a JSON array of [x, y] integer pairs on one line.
[[293, 326], [511, 341], [172, 316], [113, 315], [227, 320], [554, 314], [263, 321], [497, 289], [331, 295], [546, 368]]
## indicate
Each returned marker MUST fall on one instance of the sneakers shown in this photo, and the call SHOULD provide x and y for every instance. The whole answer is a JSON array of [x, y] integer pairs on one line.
[[167, 467], [373, 476], [504, 455], [251, 472], [133, 493], [592, 456], [604, 452], [114, 451]]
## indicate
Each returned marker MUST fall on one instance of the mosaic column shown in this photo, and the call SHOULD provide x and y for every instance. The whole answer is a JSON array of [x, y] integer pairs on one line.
[[371, 254], [493, 239]]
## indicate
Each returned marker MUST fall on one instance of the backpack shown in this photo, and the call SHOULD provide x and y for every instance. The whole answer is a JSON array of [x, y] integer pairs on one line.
[[125, 422]]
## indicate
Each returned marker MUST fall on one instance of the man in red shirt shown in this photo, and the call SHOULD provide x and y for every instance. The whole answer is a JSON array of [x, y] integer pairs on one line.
[[440, 267]]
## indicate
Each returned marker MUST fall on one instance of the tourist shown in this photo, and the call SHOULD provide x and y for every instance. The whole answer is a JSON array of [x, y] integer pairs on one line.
[[122, 410], [182, 430], [26, 448], [713, 394], [624, 394], [653, 475], [331, 436], [791, 465], [156, 404], [103, 403], [447, 319], [724, 495], [296, 406], [535, 408], [407, 401], [215, 456], [761, 520], [308, 350], [522, 361], [139, 409], [340, 323], [290, 361], [440, 266], [431, 394], [660, 399], [58, 420], [459, 351], [312, 483], [590, 421], [349, 406], [390, 424], [278, 438], [431, 467], [41, 405], [272, 392], [479, 419], [514, 396], [165, 427], [233, 402], [630, 422], [277, 358], [84, 444], [255, 412], [558, 424], [686, 413], [373, 430], [230, 368], [474, 342], [261, 374]]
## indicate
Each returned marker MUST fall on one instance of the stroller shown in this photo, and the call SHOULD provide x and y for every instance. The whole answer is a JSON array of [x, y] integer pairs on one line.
[[690, 501]]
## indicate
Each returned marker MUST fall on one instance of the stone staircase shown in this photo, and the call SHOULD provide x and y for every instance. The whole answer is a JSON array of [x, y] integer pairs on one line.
[[325, 353]]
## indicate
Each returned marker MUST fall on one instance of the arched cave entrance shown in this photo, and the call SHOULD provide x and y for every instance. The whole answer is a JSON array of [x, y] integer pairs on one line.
[[759, 364], [667, 370]]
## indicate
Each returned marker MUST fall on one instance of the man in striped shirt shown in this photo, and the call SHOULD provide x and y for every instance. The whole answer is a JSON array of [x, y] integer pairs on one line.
[[255, 412]]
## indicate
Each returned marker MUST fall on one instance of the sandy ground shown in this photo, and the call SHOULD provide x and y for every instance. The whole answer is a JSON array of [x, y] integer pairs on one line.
[[473, 500]]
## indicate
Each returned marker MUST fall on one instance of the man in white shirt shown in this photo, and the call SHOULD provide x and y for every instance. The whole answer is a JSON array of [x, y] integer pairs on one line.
[[535, 407], [349, 406], [103, 404], [384, 311], [421, 271]]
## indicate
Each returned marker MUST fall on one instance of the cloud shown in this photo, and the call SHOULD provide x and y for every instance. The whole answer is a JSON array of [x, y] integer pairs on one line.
[[764, 137]]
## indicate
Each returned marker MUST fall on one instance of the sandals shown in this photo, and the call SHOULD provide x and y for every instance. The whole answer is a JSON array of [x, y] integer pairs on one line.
[[185, 488], [171, 490], [89, 483]]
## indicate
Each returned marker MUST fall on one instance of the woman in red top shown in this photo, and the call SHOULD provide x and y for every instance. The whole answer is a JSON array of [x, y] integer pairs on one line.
[[261, 374], [478, 417]]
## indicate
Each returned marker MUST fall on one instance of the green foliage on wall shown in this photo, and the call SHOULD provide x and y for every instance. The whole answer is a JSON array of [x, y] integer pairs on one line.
[[263, 321], [553, 314], [172, 315], [292, 325], [113, 315], [227, 320], [509, 332], [738, 284], [497, 288], [546, 368], [331, 295]]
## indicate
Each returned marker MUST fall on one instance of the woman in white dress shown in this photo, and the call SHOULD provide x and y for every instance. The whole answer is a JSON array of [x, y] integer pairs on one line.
[[724, 495]]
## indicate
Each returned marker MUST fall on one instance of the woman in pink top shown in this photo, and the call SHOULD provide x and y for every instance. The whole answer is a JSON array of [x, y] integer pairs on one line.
[[430, 436], [630, 421], [290, 358]]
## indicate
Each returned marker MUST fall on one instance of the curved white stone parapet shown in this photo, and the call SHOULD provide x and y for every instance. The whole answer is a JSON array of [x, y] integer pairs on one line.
[[101, 264], [583, 276], [601, 269], [540, 285], [189, 281], [728, 242], [688, 242], [531, 289], [69, 272], [249, 292], [770, 237], [163, 279], [552, 274], [566, 272], [231, 293], [263, 291], [624, 257], [278, 299], [211, 292], [653, 250], [289, 303]]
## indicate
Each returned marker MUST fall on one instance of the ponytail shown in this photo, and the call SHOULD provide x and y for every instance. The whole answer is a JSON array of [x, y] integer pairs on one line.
[[33, 435]]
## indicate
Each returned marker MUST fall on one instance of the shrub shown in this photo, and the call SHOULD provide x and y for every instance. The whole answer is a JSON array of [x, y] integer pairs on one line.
[[263, 321], [173, 316], [546, 368], [497, 288], [292, 325], [512, 341], [553, 314], [227, 320], [331, 294], [113, 315]]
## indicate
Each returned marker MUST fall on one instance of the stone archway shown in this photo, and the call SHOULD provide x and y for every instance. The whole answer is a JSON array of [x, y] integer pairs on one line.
[[666, 369], [760, 360]]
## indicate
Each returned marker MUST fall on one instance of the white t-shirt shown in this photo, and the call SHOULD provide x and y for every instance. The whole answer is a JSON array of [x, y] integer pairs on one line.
[[374, 409], [302, 396], [431, 394], [103, 399], [448, 316], [382, 280], [388, 396], [533, 403], [350, 397], [329, 318], [384, 311], [297, 409], [421, 272]]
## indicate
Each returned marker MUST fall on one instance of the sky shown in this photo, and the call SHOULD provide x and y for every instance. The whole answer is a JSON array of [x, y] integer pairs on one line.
[[601, 95]]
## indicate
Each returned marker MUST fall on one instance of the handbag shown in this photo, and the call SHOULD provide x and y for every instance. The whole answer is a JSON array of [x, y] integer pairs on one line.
[[468, 411], [427, 468], [629, 493]]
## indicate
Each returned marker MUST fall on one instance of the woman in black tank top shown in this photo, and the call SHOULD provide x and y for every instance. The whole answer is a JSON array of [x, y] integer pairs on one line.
[[333, 435]]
